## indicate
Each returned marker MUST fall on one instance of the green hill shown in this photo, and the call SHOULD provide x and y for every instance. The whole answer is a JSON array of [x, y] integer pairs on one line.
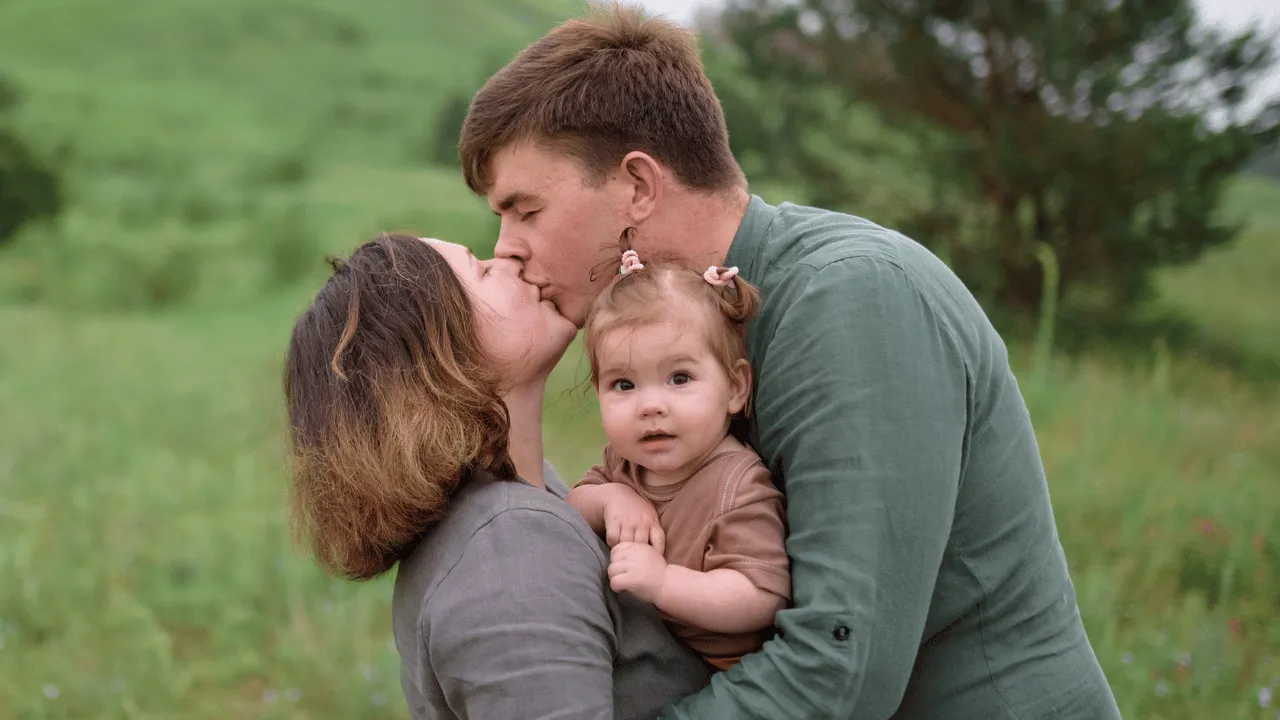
[[193, 133]]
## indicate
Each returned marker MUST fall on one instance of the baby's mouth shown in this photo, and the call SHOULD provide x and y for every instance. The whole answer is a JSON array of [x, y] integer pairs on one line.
[[656, 435]]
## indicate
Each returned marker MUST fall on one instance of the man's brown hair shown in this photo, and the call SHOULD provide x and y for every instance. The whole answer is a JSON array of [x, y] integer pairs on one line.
[[598, 88], [392, 403]]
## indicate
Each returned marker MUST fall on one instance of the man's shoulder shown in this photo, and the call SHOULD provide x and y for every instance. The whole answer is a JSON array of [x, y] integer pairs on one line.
[[848, 252], [804, 238]]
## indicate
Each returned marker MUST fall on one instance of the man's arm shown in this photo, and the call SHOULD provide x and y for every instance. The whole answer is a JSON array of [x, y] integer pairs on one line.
[[520, 628], [862, 395]]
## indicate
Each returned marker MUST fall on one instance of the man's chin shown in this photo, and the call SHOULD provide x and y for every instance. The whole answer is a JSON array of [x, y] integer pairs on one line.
[[577, 318]]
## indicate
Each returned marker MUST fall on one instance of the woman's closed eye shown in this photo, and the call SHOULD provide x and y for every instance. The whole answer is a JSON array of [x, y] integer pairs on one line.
[[527, 216]]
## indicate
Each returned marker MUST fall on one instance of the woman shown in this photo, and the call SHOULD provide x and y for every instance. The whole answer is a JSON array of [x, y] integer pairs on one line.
[[414, 385]]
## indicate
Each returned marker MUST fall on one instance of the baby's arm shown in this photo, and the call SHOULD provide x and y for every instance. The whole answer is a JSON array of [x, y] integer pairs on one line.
[[721, 600], [616, 510]]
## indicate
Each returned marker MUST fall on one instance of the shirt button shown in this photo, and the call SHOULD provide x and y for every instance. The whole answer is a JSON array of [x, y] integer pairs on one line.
[[841, 633]]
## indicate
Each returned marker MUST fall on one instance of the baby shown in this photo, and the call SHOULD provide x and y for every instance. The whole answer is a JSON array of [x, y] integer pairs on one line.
[[694, 520]]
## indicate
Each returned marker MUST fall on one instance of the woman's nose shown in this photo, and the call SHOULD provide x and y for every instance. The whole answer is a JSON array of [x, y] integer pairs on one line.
[[505, 266]]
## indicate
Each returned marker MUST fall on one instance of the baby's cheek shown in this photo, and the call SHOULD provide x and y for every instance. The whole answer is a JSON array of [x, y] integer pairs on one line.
[[614, 418]]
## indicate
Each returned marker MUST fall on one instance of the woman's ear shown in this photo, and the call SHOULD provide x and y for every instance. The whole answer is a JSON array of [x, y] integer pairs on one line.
[[644, 179], [739, 386]]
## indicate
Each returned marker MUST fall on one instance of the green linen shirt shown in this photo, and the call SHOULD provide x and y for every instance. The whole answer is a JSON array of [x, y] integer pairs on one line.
[[929, 581]]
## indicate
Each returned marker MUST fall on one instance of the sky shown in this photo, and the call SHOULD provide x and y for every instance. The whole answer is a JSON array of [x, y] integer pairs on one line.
[[1233, 14]]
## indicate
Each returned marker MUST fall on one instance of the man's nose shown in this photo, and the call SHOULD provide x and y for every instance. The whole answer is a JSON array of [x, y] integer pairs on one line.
[[510, 246]]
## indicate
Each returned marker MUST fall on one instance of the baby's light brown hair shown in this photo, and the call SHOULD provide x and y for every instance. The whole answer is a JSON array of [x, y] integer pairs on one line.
[[662, 291]]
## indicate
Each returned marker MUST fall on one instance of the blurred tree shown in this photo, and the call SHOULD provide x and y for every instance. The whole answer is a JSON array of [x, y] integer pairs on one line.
[[1267, 163], [1104, 129], [29, 189]]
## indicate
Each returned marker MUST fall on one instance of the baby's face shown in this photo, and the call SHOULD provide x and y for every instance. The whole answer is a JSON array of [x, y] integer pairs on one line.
[[665, 399]]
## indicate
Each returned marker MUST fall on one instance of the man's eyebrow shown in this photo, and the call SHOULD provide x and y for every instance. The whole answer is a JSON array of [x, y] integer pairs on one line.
[[511, 200]]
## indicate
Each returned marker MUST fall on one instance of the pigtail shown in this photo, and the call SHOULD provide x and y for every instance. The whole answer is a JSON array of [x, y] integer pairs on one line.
[[737, 299]]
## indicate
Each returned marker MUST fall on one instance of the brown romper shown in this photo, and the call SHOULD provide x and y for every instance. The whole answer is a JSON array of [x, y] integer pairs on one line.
[[727, 514]]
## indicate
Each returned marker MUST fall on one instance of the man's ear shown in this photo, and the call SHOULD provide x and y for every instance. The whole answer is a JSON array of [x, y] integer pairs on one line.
[[645, 179], [739, 386]]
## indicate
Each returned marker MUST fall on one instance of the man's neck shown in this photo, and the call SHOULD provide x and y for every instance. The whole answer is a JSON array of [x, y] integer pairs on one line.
[[524, 404], [695, 226]]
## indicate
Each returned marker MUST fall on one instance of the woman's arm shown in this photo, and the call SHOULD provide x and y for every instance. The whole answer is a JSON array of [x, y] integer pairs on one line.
[[519, 626]]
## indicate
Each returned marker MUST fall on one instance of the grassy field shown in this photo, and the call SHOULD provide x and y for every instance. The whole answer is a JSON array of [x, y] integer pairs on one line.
[[216, 150]]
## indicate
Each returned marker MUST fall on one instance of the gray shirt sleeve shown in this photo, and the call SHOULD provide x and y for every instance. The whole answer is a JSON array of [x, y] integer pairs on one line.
[[519, 628]]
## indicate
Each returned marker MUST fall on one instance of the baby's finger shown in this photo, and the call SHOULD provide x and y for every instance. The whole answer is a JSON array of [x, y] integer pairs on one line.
[[618, 583], [611, 533]]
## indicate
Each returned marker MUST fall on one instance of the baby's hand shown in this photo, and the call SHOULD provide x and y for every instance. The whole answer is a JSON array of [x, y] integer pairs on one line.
[[630, 518], [639, 568]]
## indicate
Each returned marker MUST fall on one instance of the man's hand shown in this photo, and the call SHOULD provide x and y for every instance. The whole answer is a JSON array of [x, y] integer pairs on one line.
[[629, 518], [639, 568]]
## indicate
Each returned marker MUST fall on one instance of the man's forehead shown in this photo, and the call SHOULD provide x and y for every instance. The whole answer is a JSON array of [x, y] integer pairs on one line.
[[528, 171]]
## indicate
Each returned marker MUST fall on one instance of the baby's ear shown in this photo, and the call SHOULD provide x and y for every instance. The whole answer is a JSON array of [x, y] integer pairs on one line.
[[740, 385]]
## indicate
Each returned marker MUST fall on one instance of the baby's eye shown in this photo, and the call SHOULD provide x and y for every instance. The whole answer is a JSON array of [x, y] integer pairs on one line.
[[622, 385], [680, 378]]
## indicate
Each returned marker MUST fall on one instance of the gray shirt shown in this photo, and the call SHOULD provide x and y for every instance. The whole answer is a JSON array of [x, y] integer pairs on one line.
[[503, 610]]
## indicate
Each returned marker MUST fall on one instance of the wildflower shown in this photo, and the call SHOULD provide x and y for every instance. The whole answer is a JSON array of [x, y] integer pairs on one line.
[[1162, 688], [1127, 658], [1264, 697], [270, 696], [52, 692]]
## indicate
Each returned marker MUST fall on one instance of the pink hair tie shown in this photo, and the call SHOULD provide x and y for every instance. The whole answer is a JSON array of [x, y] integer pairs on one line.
[[630, 262], [718, 277]]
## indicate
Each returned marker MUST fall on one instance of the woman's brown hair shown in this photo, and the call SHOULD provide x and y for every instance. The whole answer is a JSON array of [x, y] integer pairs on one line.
[[391, 403]]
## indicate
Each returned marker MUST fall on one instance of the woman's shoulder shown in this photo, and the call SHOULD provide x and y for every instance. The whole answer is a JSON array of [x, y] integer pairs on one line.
[[488, 516]]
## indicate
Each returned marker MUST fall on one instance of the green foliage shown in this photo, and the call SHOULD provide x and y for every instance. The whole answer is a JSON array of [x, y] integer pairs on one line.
[[1104, 129], [30, 189], [1266, 163], [444, 141]]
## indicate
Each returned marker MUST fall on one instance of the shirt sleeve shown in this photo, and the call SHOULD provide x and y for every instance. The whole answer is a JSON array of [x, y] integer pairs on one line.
[[862, 399], [749, 535], [520, 628]]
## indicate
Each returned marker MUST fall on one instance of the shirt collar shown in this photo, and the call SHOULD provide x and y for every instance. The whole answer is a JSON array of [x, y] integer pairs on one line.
[[748, 243]]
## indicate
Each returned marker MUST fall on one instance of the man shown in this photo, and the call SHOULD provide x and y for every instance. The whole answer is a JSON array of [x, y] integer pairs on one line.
[[929, 581]]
